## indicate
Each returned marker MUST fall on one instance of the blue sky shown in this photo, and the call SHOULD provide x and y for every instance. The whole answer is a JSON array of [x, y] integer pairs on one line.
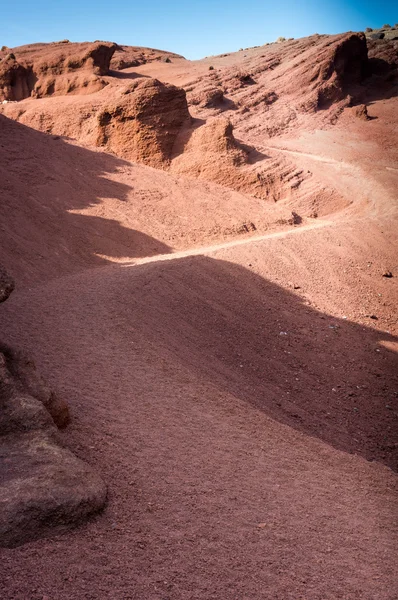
[[195, 29]]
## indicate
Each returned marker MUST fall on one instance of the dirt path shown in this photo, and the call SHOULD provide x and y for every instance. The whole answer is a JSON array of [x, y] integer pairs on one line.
[[232, 244], [352, 176]]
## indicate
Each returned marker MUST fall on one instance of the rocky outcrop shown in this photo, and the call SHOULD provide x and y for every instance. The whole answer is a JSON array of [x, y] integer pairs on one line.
[[383, 59], [216, 137], [60, 68], [28, 380], [271, 90], [53, 69], [211, 151], [361, 112], [346, 66], [133, 56], [384, 33], [212, 97], [143, 123], [14, 79], [139, 122], [276, 86], [43, 486]]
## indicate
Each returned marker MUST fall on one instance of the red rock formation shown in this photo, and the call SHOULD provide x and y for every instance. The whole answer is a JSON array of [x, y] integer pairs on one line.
[[383, 58], [345, 66], [143, 123], [267, 92], [133, 56], [43, 486], [13, 79], [213, 153], [28, 380], [58, 68]]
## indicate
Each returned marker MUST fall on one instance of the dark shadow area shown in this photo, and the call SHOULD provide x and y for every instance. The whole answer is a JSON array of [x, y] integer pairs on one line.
[[227, 104], [253, 154], [246, 79], [374, 78], [378, 66], [381, 73], [373, 89], [124, 75], [44, 179], [326, 377]]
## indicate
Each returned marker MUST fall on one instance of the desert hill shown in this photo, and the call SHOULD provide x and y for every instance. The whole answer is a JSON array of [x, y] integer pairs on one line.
[[200, 258], [63, 67]]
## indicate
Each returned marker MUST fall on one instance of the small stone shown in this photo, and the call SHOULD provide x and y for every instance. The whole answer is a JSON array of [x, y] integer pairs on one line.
[[361, 112], [387, 274]]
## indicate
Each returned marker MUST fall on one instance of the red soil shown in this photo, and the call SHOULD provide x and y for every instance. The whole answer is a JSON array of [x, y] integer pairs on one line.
[[239, 399]]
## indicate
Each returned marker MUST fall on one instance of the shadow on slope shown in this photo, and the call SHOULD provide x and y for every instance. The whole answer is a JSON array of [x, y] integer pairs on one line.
[[44, 180], [326, 377], [126, 75]]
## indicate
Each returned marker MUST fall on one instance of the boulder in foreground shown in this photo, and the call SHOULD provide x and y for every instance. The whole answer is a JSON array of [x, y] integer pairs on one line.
[[43, 487]]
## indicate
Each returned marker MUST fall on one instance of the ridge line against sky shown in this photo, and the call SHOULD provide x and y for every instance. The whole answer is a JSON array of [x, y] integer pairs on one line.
[[195, 29]]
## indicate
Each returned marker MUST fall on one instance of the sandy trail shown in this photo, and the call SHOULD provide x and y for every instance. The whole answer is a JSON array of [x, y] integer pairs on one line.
[[226, 245], [352, 168], [322, 159]]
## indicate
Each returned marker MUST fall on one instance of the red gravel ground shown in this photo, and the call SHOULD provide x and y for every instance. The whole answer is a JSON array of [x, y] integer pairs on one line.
[[172, 370]]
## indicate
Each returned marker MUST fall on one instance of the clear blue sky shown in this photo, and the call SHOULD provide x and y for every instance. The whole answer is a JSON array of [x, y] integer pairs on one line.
[[194, 29]]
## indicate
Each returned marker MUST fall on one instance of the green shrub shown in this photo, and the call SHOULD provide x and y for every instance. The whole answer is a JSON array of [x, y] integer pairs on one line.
[[281, 39], [211, 68], [386, 26], [368, 30]]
